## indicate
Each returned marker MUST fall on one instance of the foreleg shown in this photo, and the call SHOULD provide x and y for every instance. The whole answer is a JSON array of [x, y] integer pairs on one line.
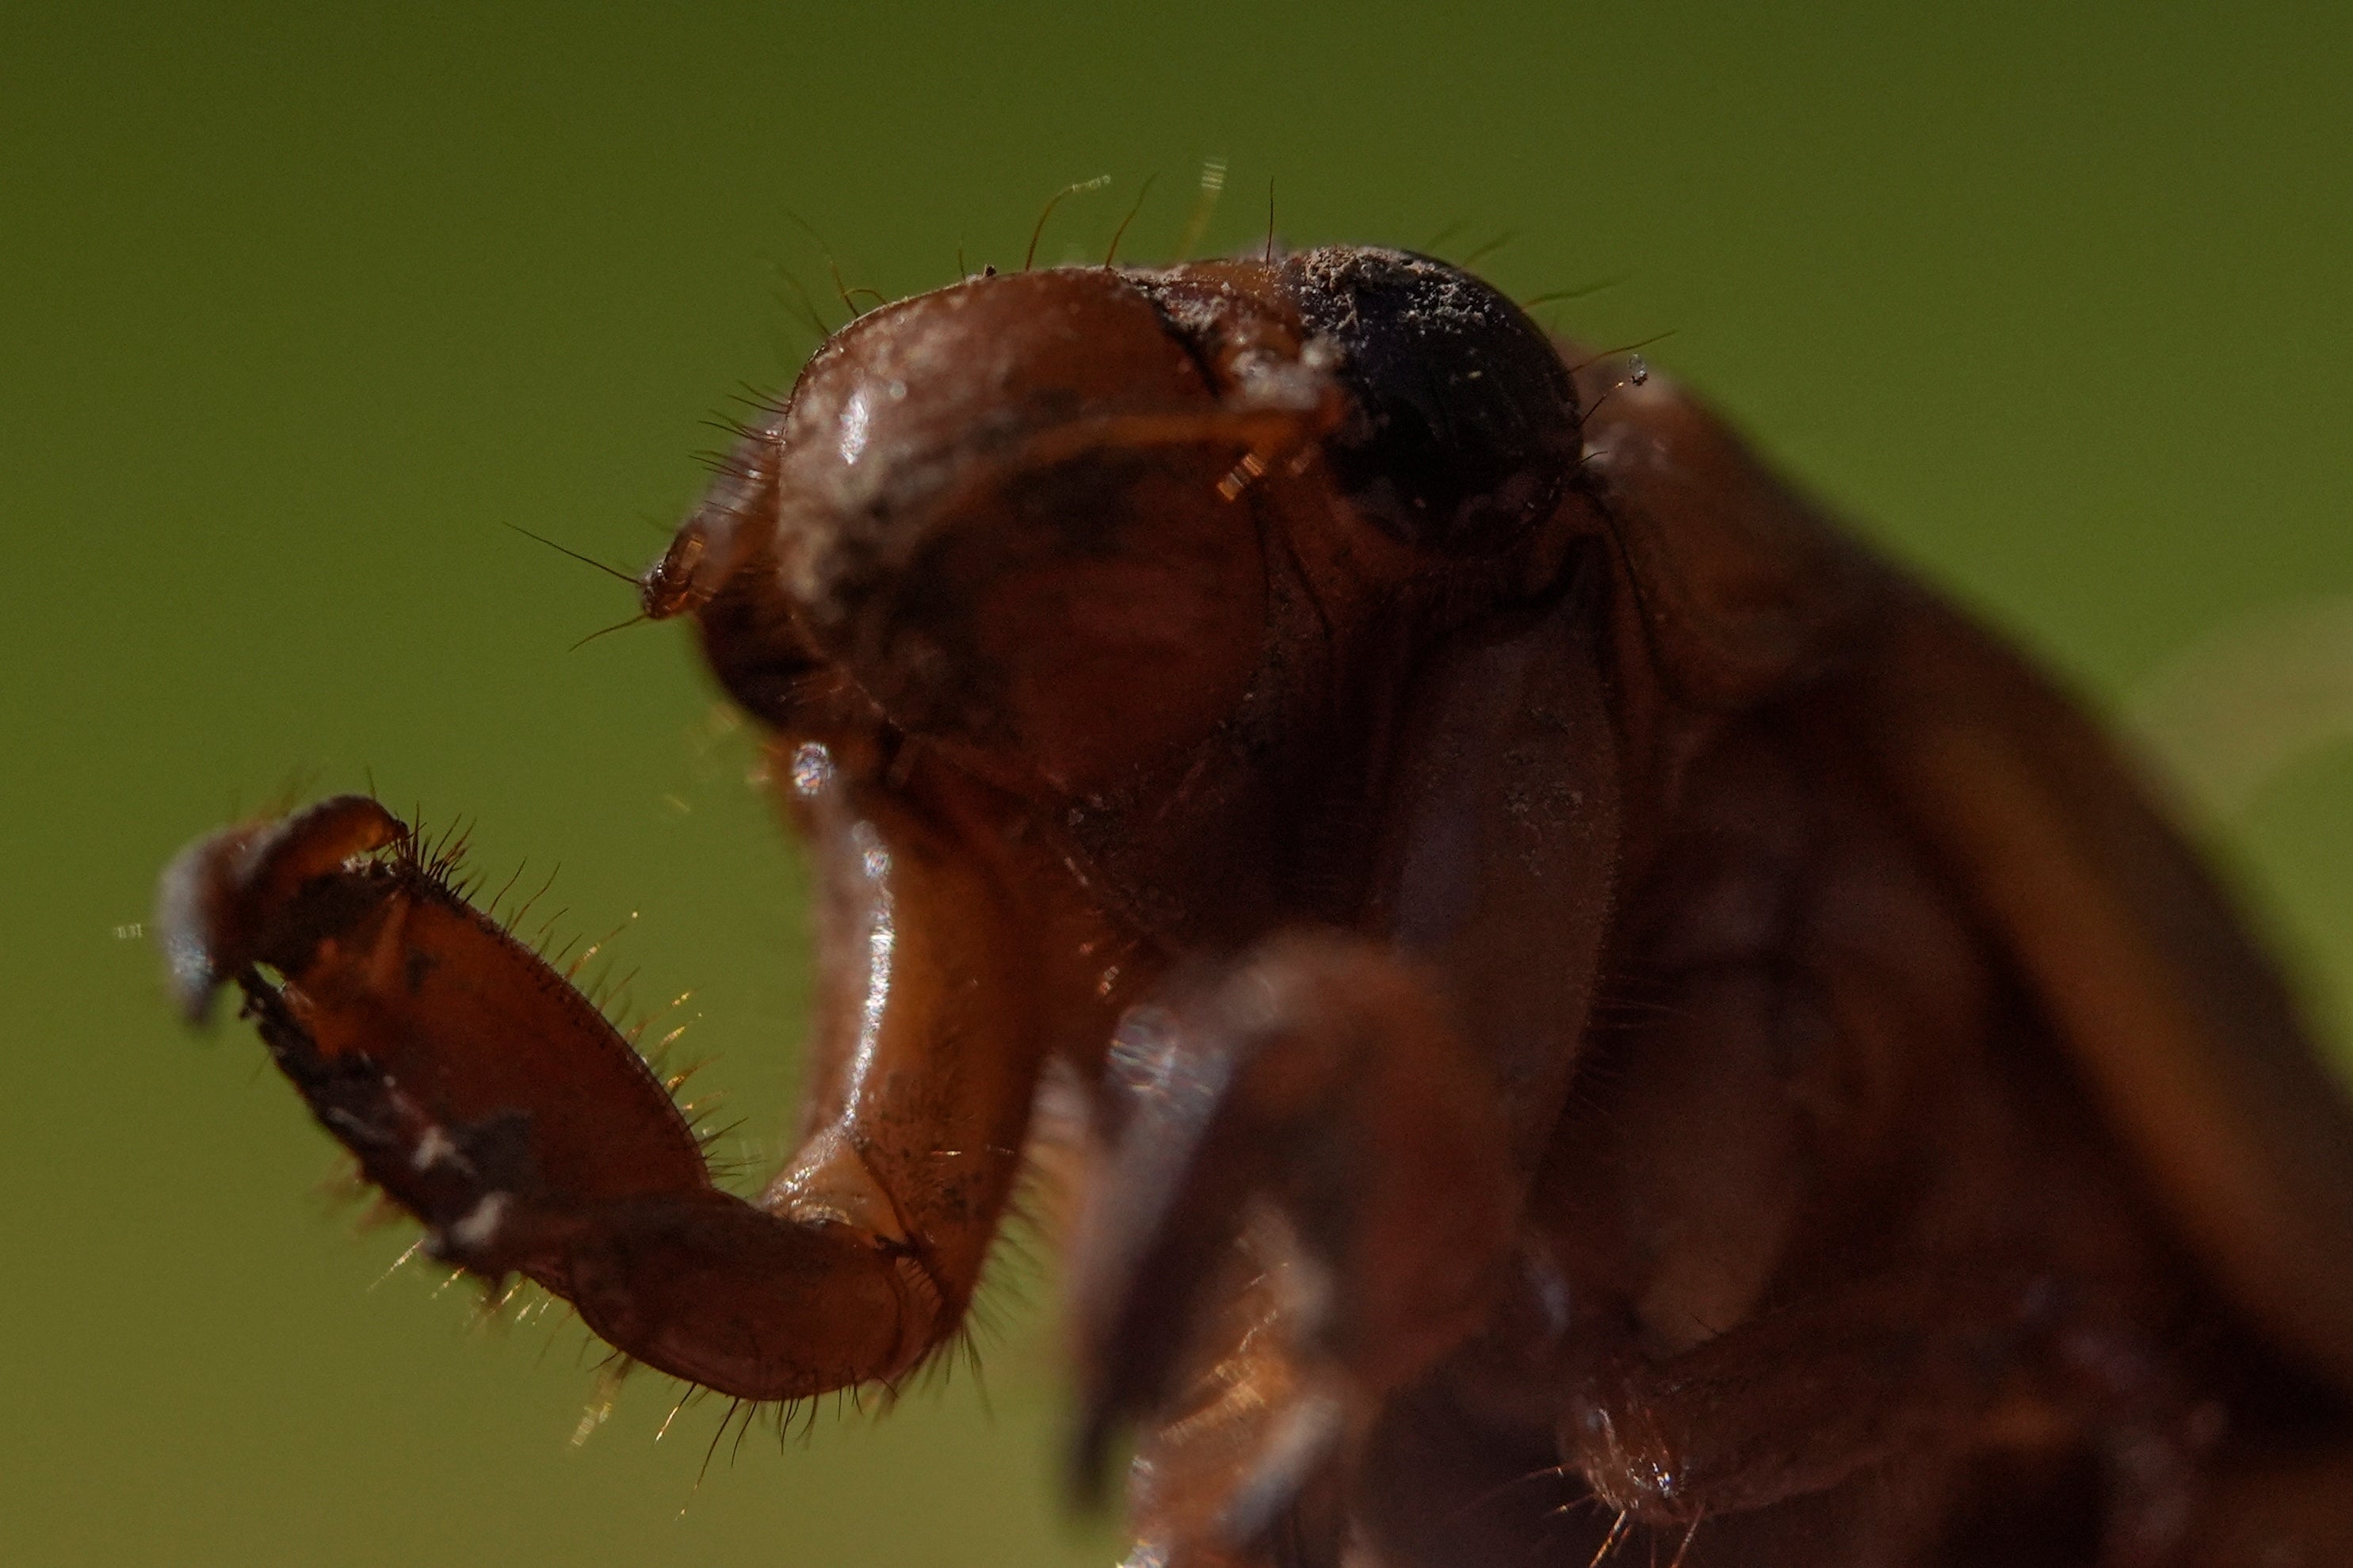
[[489, 1098]]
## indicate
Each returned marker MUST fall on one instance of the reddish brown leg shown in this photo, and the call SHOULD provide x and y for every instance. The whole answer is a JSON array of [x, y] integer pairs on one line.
[[491, 1100], [1315, 1102], [1893, 1379], [1793, 1403]]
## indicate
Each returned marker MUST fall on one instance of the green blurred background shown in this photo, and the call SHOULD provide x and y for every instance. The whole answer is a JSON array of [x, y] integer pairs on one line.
[[298, 307]]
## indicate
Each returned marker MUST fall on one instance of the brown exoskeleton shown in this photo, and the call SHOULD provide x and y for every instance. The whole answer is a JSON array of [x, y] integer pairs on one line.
[[1613, 1019]]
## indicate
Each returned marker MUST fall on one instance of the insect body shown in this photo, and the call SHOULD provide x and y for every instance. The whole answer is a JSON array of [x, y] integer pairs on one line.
[[1609, 1018]]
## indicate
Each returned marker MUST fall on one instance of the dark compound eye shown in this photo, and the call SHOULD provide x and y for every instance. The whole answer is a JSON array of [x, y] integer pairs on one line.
[[1464, 431]]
